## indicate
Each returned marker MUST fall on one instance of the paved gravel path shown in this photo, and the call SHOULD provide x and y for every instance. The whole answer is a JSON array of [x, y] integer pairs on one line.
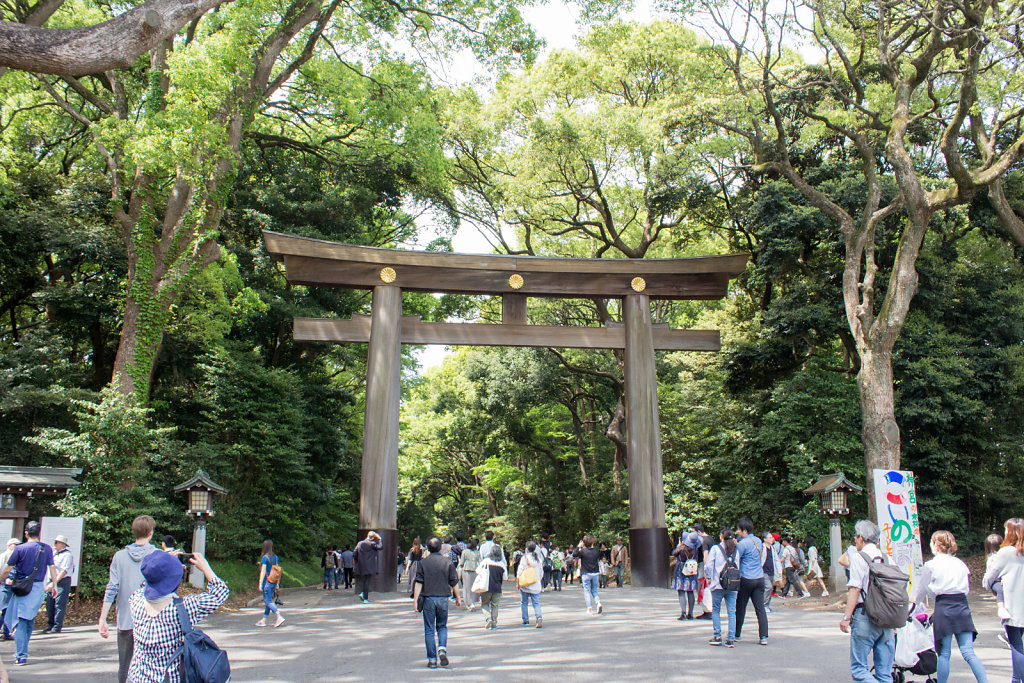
[[332, 637]]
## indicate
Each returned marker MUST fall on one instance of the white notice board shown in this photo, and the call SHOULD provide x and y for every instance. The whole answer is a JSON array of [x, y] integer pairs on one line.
[[7, 532], [71, 527]]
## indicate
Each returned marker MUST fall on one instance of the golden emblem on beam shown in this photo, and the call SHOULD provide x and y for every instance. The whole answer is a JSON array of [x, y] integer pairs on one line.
[[515, 281], [388, 275], [638, 284]]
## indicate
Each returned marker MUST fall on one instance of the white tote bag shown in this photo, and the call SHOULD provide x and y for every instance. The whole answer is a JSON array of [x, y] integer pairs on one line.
[[910, 640], [483, 578]]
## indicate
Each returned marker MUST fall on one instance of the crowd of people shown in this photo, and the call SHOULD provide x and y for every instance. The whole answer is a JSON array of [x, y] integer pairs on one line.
[[735, 568]]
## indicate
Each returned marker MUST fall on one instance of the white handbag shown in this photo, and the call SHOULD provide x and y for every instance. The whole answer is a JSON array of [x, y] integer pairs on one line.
[[912, 639], [482, 581]]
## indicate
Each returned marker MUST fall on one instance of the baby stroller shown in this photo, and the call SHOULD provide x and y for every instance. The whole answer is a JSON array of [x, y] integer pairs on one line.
[[915, 649]]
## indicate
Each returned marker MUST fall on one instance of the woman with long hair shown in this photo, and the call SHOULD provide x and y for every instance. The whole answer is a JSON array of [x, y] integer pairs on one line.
[[530, 592], [413, 561], [717, 560], [1007, 567], [949, 585], [270, 577]]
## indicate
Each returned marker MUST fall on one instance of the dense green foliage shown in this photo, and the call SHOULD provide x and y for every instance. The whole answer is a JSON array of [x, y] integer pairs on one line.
[[600, 152]]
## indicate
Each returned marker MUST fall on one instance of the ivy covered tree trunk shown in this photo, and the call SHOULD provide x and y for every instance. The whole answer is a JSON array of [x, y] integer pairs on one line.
[[162, 259]]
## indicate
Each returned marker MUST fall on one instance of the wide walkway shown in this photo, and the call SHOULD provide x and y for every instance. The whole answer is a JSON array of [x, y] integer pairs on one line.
[[331, 637]]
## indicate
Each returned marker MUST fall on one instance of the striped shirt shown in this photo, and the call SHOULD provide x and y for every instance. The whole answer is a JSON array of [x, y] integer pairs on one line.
[[156, 638]]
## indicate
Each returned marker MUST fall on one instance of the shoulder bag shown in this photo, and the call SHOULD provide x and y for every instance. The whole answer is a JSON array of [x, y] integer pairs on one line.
[[23, 584], [482, 581], [528, 577]]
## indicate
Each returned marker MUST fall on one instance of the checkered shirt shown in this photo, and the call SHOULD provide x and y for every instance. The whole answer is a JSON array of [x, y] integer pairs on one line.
[[156, 638]]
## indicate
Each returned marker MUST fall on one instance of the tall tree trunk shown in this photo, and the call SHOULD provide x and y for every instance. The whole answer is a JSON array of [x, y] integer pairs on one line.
[[617, 433], [879, 432]]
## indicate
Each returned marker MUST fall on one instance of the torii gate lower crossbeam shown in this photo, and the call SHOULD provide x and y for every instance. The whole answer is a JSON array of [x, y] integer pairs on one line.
[[314, 262]]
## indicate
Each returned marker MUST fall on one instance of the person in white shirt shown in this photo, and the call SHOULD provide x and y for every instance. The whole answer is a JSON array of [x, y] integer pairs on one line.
[[64, 562], [485, 548], [949, 584], [814, 572], [1007, 566], [866, 639]]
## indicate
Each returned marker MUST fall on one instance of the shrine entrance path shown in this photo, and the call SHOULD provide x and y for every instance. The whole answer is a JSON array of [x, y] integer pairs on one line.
[[332, 637]]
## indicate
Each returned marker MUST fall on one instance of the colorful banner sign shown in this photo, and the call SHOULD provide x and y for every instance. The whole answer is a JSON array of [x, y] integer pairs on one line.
[[896, 507]]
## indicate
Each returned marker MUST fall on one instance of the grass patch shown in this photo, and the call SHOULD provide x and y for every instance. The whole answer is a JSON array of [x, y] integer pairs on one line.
[[241, 577]]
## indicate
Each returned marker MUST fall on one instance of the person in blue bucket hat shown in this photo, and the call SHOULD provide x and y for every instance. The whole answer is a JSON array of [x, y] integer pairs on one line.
[[155, 619]]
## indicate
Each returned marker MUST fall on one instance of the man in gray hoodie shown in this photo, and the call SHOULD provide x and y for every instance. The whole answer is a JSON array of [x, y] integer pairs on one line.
[[125, 579]]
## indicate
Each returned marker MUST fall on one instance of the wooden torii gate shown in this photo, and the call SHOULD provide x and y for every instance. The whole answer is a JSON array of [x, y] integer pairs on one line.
[[387, 272]]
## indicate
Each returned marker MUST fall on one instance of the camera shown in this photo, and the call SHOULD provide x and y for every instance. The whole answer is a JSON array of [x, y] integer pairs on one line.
[[185, 557]]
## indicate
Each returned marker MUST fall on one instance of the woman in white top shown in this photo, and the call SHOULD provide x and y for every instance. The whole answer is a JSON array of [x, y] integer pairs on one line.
[[949, 584], [1007, 566], [713, 566], [531, 591], [814, 572]]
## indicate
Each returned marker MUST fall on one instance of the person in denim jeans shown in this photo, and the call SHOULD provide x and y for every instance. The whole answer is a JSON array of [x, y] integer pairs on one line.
[[329, 564], [590, 568], [267, 562], [714, 563], [436, 580], [530, 593], [866, 639]]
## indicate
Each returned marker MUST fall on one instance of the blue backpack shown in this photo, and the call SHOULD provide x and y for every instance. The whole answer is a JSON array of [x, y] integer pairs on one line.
[[200, 660]]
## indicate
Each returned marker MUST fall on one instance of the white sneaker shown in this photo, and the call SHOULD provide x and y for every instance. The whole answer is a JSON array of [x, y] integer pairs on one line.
[[1003, 613], [807, 594], [590, 610], [824, 594]]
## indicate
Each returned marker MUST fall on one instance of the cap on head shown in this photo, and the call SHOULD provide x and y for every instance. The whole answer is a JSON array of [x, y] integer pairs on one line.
[[61, 538], [163, 572], [13, 541]]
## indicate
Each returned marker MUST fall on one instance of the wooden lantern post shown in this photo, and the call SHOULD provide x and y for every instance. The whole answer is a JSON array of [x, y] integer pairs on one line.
[[833, 492], [200, 490]]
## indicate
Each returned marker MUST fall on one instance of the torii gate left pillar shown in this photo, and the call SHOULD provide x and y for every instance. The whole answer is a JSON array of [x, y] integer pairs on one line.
[[378, 498]]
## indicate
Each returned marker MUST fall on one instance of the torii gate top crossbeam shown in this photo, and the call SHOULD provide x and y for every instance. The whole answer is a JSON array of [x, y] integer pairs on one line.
[[330, 264]]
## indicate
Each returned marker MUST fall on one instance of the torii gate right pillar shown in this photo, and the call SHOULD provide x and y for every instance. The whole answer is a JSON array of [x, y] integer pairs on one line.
[[648, 533]]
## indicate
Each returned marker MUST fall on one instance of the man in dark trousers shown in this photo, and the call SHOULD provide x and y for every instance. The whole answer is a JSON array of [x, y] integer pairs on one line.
[[436, 581], [348, 562], [366, 563]]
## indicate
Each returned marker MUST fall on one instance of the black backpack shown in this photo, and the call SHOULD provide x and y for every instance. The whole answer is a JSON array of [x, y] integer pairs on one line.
[[886, 602], [729, 577], [199, 659]]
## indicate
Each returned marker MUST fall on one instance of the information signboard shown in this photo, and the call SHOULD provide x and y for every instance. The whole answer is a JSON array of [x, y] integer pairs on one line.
[[72, 527]]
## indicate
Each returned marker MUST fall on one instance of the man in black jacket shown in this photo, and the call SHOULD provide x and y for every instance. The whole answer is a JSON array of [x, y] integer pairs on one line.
[[436, 580], [366, 562]]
